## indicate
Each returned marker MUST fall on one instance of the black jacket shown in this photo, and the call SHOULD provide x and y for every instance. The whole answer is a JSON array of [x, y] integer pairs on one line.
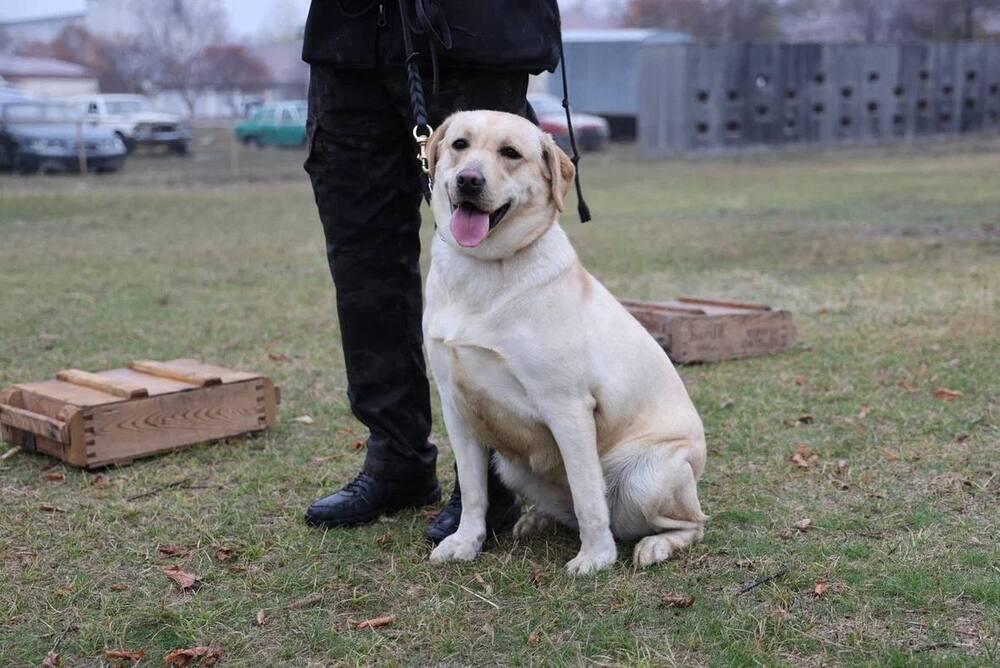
[[484, 34]]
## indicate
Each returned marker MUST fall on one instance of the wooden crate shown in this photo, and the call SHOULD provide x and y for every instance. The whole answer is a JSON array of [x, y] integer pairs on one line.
[[113, 417], [694, 329]]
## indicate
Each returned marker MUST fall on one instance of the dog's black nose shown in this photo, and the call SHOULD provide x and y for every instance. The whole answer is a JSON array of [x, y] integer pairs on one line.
[[470, 181]]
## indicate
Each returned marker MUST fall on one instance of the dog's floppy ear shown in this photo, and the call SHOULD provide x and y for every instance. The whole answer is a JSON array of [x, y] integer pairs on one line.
[[434, 145], [560, 168]]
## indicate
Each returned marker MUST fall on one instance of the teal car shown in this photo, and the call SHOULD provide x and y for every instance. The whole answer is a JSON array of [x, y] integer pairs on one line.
[[278, 124]]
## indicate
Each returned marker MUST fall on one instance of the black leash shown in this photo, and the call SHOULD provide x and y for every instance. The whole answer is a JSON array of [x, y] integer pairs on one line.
[[581, 205], [421, 128]]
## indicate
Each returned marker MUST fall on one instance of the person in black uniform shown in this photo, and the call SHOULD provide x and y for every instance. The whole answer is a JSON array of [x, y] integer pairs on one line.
[[474, 54]]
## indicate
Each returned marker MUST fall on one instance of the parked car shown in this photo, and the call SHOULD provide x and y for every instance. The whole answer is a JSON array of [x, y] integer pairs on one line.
[[40, 136], [591, 131], [134, 119], [279, 124]]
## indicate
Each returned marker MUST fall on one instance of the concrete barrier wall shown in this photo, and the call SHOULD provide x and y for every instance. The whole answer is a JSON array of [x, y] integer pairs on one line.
[[702, 96]]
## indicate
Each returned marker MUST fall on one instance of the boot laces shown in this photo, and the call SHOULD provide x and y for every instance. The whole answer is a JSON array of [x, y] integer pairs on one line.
[[359, 486]]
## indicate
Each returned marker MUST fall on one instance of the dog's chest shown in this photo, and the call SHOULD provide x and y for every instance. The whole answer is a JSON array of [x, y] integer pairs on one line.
[[498, 408]]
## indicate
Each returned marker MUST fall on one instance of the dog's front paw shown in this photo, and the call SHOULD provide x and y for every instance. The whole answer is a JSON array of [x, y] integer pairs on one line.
[[585, 562], [455, 548], [531, 522]]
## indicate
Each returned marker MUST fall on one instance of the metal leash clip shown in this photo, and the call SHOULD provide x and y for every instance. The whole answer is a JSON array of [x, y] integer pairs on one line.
[[422, 140]]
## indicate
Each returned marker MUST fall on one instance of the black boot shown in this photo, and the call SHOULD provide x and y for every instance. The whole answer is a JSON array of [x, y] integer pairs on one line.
[[367, 497], [501, 514]]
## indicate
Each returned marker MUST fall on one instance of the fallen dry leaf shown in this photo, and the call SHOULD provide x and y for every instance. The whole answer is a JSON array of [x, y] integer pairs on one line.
[[865, 410], [261, 619], [52, 660], [944, 394], [536, 575], [119, 586], [889, 454], [99, 480], [184, 580], [803, 524], [304, 419], [803, 457], [359, 445], [428, 513], [224, 553], [375, 622], [173, 550], [384, 538], [279, 357], [55, 476], [820, 589], [181, 658], [841, 464], [805, 419], [123, 655], [801, 379], [534, 639], [46, 508], [799, 460], [324, 460], [676, 600]]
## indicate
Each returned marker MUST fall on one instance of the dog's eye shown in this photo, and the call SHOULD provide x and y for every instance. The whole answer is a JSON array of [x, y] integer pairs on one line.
[[460, 144], [510, 152]]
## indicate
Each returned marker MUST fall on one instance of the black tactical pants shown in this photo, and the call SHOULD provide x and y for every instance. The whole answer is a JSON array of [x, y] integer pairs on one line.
[[365, 178]]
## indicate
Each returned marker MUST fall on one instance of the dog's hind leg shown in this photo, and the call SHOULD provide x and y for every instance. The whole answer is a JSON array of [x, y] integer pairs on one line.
[[655, 492]]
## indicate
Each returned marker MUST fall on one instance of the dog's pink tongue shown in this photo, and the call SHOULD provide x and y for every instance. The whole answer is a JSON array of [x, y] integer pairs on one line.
[[469, 226]]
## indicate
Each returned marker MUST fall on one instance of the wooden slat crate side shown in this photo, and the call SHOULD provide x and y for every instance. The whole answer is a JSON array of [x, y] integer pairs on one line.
[[143, 427], [36, 423], [714, 339], [268, 398], [52, 433]]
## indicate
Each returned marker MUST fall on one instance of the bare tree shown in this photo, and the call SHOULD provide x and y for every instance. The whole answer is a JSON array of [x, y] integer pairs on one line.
[[228, 66], [730, 20], [121, 65], [284, 22], [6, 41], [942, 19], [175, 33], [870, 20]]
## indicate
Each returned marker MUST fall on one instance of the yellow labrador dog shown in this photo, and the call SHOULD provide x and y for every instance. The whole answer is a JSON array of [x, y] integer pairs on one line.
[[535, 359]]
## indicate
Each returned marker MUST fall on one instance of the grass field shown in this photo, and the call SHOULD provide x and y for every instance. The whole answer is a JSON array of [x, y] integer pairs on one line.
[[890, 261]]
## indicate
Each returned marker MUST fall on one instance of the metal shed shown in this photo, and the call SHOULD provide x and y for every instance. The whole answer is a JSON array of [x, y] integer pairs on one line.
[[729, 96], [603, 72]]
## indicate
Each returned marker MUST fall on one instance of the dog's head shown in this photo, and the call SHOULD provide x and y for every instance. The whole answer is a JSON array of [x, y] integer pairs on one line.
[[499, 182]]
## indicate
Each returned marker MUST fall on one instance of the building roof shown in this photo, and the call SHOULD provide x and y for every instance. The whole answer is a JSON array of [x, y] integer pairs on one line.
[[633, 35], [19, 67]]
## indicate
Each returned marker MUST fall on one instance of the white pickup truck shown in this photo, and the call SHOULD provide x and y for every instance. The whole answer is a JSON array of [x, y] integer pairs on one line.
[[134, 119]]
